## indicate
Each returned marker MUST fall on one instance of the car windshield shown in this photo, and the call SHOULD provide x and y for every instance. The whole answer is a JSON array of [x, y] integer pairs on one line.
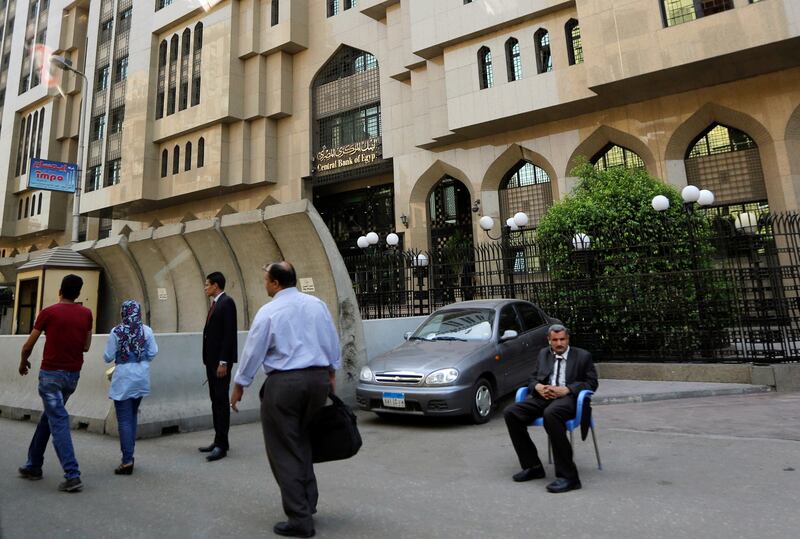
[[457, 325]]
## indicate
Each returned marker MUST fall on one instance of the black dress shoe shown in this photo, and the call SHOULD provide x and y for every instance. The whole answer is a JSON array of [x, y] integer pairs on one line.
[[206, 449], [563, 485], [216, 454], [284, 528], [529, 473]]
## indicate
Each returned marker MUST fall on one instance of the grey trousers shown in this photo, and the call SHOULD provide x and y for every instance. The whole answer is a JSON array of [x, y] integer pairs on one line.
[[290, 400]]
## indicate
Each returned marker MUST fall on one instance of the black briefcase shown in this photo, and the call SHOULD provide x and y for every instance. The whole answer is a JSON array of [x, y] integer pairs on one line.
[[334, 433]]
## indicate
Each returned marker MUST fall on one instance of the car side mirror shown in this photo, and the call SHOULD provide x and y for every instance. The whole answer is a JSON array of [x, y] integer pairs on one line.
[[407, 335], [508, 335]]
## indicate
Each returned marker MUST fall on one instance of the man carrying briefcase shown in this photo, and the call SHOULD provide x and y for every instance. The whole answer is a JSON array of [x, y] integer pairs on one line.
[[295, 341]]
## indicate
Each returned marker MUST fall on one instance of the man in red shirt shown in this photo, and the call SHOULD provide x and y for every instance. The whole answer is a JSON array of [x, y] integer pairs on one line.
[[68, 329]]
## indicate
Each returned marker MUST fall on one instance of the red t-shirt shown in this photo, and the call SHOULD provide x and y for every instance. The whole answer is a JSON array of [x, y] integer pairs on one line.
[[65, 326]]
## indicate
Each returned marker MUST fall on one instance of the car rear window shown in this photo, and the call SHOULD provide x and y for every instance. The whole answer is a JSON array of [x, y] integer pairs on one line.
[[457, 325]]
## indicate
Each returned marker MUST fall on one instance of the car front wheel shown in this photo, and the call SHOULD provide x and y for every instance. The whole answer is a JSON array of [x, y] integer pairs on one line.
[[482, 401]]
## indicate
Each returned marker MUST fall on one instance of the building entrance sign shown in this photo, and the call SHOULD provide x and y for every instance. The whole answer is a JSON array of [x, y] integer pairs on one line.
[[364, 152], [52, 175]]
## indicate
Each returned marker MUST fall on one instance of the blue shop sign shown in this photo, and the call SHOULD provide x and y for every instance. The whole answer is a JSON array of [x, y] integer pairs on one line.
[[52, 175]]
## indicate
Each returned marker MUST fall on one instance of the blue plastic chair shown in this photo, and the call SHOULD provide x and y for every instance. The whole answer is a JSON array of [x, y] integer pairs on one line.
[[572, 424]]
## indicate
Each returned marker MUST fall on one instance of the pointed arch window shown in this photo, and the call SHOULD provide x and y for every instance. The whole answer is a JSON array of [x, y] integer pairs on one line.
[[173, 74], [162, 79], [513, 59], [357, 119], [613, 156], [176, 160], [201, 152], [726, 161], [196, 67], [574, 44], [544, 58], [164, 163], [187, 159], [526, 187], [485, 68], [186, 48]]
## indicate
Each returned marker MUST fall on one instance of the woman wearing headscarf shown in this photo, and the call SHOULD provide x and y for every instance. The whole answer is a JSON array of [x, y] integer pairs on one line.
[[131, 346]]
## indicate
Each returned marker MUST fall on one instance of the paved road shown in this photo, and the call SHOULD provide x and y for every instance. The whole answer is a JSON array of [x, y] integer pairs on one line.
[[718, 467]]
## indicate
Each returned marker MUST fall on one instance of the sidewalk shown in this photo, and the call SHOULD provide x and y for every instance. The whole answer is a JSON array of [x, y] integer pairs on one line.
[[717, 467]]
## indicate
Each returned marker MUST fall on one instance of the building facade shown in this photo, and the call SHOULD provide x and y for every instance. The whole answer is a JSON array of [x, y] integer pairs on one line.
[[413, 116]]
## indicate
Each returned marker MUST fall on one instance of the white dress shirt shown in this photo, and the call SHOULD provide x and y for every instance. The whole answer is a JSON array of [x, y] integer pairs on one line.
[[293, 331], [562, 370]]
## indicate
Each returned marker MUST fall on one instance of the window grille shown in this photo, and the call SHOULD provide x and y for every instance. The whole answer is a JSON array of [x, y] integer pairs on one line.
[[162, 78], [544, 59], [485, 67], [680, 11], [196, 67], [186, 47], [346, 103], [574, 44], [728, 162], [616, 156], [514, 60], [275, 12], [526, 188], [173, 70], [113, 175]]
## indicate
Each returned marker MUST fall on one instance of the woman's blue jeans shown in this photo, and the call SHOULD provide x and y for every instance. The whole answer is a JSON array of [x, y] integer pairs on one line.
[[127, 416]]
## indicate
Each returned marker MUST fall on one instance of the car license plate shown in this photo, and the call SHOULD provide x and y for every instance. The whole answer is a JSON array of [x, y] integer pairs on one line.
[[394, 400]]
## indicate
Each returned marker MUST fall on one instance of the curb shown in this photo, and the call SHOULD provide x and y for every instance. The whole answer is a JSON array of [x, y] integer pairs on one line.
[[670, 395]]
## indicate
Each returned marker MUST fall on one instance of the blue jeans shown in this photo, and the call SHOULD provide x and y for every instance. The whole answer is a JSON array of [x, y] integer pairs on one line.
[[127, 417], [55, 387]]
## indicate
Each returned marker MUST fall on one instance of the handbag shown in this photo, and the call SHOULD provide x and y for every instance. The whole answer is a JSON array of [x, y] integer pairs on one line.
[[110, 372], [334, 432]]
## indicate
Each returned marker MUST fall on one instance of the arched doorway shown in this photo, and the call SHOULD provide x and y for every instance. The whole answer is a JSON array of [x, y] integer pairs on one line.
[[451, 242], [353, 185]]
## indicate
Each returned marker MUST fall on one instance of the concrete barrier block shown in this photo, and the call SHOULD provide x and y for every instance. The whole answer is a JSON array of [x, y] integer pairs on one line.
[[763, 375], [787, 377]]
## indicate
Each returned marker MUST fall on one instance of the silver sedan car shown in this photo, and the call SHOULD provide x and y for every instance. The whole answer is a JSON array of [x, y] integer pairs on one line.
[[458, 362]]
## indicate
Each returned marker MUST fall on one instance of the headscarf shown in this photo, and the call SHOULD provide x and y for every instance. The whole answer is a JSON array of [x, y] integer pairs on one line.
[[130, 333]]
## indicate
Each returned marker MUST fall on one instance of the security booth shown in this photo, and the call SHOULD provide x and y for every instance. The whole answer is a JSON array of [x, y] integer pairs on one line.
[[39, 280]]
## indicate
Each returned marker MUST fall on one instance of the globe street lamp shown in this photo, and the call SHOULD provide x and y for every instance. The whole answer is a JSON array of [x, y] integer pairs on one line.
[[65, 64], [513, 224], [690, 194]]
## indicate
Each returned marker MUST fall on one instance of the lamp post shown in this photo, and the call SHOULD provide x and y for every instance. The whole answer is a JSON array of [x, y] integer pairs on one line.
[[65, 64], [513, 224], [420, 264], [704, 198]]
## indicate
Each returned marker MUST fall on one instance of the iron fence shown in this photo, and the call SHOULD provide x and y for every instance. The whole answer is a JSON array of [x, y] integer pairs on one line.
[[734, 298]]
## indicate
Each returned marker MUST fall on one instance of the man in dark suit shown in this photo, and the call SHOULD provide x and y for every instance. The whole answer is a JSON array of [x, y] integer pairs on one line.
[[220, 350], [562, 372]]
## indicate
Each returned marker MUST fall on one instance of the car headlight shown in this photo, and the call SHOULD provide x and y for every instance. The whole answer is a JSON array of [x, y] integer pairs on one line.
[[442, 376], [366, 374]]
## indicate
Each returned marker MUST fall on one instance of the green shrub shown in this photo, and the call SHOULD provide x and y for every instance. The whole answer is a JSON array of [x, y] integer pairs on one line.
[[645, 284]]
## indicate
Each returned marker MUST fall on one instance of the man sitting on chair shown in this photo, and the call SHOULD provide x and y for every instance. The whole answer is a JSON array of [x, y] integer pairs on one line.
[[562, 372]]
